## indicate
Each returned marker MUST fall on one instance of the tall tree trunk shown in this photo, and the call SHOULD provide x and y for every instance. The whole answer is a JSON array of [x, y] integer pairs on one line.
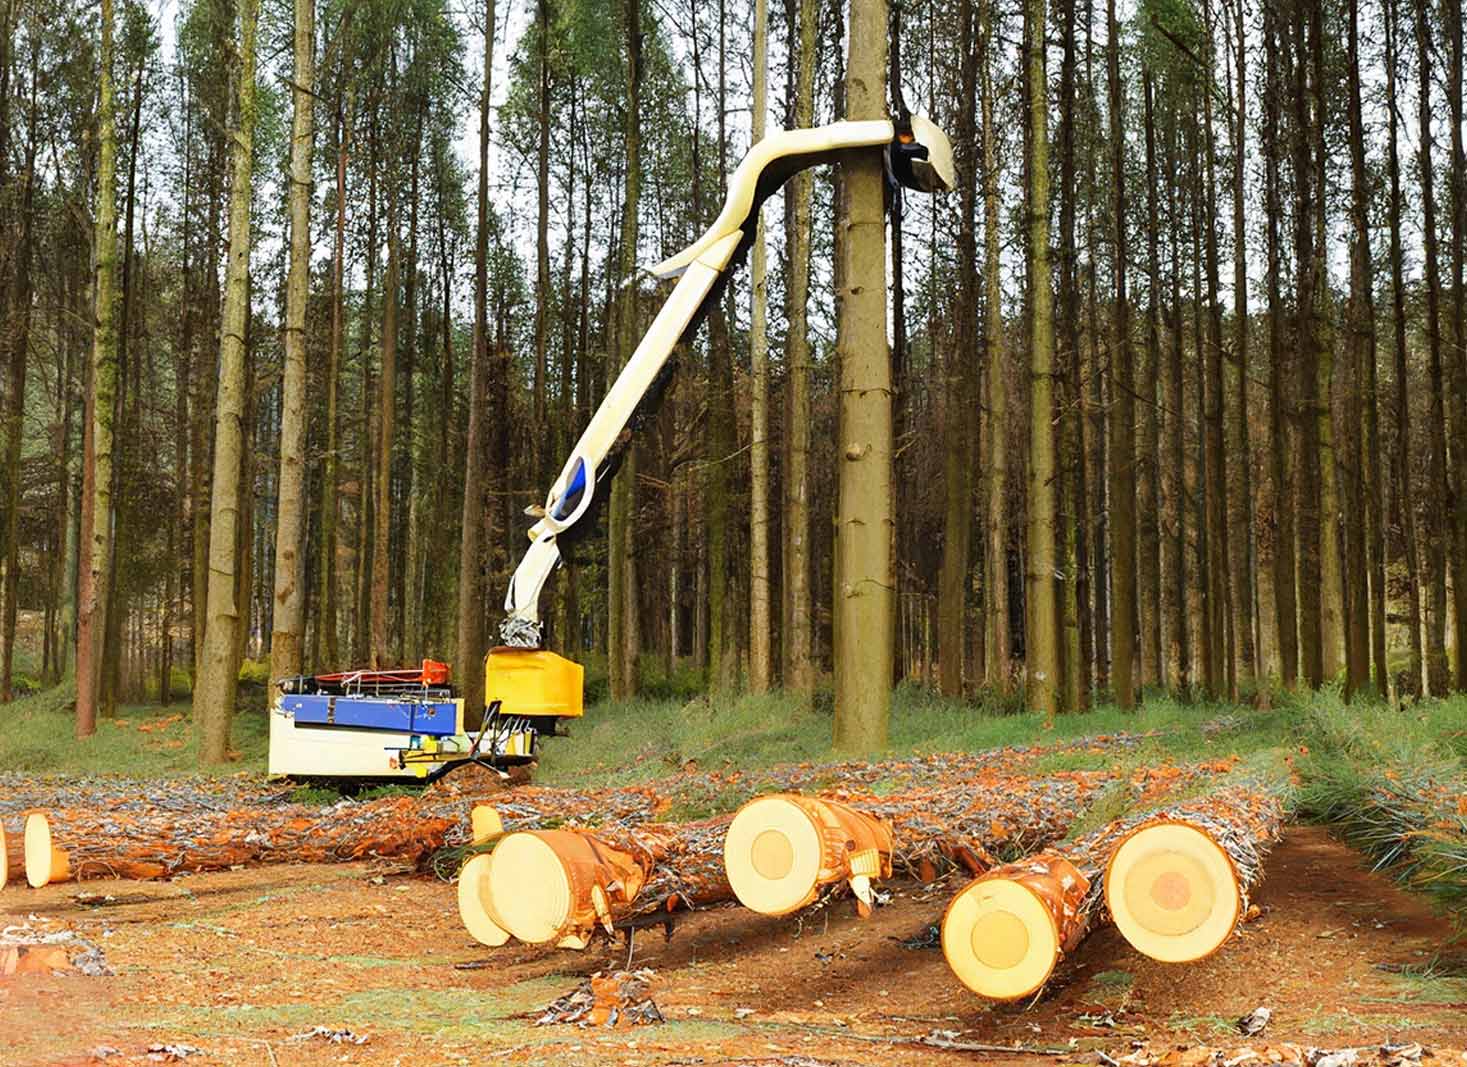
[[386, 430], [215, 692], [1240, 458], [1280, 413], [17, 338], [1074, 589], [798, 669], [326, 629], [1451, 14], [1405, 501], [1179, 653], [759, 557], [961, 403], [723, 658], [1361, 318], [995, 556], [1223, 677], [470, 645], [102, 401], [1307, 480], [1123, 417], [1148, 464], [290, 577], [542, 239], [1042, 646], [1438, 528], [623, 616], [864, 603]]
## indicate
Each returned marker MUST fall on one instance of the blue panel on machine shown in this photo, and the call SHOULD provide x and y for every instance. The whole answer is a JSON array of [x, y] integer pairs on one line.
[[436, 718]]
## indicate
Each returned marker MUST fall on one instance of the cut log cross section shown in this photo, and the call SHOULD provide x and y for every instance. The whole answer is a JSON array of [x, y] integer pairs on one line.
[[1172, 892], [558, 885], [782, 850], [1005, 932], [45, 863]]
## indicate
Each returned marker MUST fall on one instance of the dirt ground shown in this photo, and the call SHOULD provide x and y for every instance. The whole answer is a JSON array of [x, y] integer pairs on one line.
[[238, 964]]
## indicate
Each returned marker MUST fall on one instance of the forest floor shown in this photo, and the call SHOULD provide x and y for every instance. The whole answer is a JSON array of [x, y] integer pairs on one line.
[[241, 967], [238, 965]]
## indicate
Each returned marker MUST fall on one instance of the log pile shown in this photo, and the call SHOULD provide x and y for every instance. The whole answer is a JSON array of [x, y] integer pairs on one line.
[[190, 833], [1177, 878], [783, 852]]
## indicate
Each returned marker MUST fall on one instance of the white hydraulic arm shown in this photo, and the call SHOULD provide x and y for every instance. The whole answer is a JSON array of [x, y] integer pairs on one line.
[[918, 156]]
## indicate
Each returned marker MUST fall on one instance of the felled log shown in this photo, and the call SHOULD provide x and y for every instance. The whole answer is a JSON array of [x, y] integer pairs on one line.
[[1177, 886], [558, 886], [782, 850], [1005, 933], [12, 857], [144, 842], [86, 844]]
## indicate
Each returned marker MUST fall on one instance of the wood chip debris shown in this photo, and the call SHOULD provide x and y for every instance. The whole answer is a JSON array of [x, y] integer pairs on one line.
[[615, 1000], [326, 1033]]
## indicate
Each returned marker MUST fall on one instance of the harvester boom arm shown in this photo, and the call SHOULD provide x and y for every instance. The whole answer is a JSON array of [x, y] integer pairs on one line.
[[918, 156]]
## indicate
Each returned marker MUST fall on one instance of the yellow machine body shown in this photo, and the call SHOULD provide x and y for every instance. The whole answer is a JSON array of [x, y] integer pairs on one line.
[[534, 683]]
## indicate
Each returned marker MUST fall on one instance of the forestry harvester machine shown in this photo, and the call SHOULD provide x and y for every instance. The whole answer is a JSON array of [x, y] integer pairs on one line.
[[409, 723]]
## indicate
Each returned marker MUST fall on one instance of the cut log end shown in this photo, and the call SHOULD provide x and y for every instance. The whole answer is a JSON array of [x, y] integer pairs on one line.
[[473, 906], [772, 856], [1000, 939], [1172, 892], [485, 825], [529, 888], [44, 862]]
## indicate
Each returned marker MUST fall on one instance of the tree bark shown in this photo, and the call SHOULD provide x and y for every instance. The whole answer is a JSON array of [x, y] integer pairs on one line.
[[1451, 15], [1042, 646], [18, 341], [622, 594], [1280, 412], [1123, 416], [470, 642], [1405, 501], [1307, 479], [760, 583], [995, 557], [864, 521], [102, 396], [1148, 464], [1361, 319], [214, 695], [798, 669], [289, 619], [1438, 528], [1240, 458], [961, 407]]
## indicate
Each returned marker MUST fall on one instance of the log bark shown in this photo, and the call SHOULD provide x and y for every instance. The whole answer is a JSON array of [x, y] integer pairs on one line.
[[557, 886], [782, 850], [148, 840], [12, 857], [1178, 876]]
